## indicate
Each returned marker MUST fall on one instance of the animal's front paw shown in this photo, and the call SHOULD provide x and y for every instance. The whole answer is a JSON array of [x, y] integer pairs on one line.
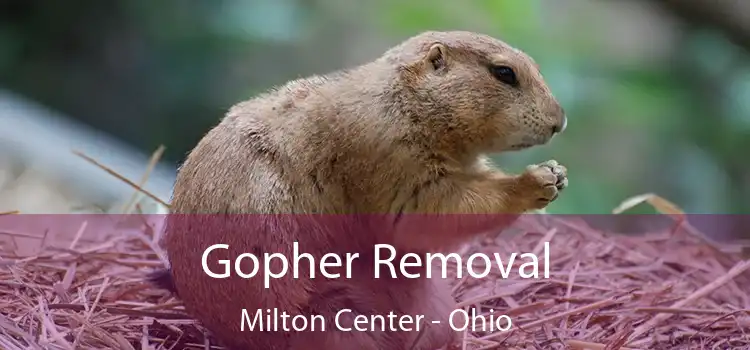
[[542, 183]]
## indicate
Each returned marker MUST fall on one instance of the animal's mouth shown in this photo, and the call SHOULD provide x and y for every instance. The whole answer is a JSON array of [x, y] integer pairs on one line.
[[521, 146], [528, 142]]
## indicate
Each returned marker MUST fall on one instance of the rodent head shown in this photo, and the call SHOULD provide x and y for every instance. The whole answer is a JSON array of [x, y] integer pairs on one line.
[[490, 93]]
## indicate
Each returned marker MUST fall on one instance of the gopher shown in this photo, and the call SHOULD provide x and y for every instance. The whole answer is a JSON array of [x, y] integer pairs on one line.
[[406, 134]]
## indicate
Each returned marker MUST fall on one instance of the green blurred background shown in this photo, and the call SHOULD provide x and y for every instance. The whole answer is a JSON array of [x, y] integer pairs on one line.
[[657, 92]]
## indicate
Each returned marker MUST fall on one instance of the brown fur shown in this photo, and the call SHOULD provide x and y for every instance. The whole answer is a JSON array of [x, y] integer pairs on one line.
[[406, 133]]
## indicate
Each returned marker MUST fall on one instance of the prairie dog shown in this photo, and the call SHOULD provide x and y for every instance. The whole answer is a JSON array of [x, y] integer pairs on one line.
[[405, 134]]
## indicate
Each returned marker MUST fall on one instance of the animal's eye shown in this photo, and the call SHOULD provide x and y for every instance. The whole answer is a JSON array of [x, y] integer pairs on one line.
[[504, 74]]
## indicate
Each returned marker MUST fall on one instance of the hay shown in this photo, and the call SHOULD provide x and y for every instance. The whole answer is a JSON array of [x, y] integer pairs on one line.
[[662, 290]]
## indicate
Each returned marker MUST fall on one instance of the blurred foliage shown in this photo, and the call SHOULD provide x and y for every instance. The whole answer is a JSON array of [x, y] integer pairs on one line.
[[153, 72]]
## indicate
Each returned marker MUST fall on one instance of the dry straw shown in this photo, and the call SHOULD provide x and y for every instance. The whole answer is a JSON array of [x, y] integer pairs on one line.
[[660, 290]]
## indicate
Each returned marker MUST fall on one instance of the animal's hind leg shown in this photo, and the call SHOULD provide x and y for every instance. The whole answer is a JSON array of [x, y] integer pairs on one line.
[[431, 298], [428, 299], [355, 298]]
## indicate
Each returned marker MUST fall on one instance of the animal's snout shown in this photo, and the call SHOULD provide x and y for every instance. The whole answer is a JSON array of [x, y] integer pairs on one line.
[[560, 126], [560, 119]]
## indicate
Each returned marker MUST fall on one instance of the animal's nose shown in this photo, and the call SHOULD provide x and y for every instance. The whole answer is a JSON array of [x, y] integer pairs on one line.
[[560, 127]]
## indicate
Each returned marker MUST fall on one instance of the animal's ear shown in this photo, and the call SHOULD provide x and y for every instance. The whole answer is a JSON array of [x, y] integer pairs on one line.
[[436, 57]]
